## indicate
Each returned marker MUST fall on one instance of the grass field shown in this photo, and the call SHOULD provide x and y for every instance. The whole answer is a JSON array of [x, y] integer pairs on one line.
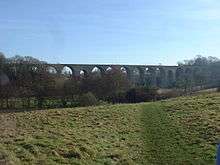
[[183, 130]]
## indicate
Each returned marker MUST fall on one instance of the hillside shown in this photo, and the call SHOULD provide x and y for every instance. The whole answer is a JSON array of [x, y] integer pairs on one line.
[[183, 130]]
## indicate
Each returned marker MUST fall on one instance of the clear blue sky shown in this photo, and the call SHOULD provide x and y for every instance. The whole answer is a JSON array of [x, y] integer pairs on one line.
[[110, 31]]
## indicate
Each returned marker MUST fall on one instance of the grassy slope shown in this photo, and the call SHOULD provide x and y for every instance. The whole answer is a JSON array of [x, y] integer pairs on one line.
[[178, 131]]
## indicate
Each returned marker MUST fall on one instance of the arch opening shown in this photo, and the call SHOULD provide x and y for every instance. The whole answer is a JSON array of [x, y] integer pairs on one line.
[[179, 74], [136, 72], [188, 72], [51, 70], [147, 71], [196, 71], [96, 72], [160, 77], [34, 68], [109, 70], [198, 77], [124, 70], [157, 71], [67, 71], [83, 73], [149, 76], [170, 78]]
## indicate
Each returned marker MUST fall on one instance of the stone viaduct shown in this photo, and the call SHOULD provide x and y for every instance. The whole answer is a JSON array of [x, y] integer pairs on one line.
[[154, 75]]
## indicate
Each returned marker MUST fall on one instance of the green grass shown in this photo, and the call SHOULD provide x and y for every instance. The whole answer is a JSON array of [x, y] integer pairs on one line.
[[183, 130]]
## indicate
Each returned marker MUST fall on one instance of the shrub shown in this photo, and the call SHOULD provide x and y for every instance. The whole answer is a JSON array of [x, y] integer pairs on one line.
[[88, 99], [134, 95], [117, 97], [141, 94], [166, 94]]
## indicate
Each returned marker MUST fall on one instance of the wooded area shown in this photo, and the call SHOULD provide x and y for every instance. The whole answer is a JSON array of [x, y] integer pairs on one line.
[[25, 86]]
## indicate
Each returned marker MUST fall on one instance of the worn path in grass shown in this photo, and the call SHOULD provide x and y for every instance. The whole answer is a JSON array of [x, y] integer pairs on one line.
[[167, 141], [178, 131]]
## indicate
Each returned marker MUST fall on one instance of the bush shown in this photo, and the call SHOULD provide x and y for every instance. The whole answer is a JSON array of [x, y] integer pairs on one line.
[[166, 94], [88, 99], [141, 94], [134, 95], [118, 97]]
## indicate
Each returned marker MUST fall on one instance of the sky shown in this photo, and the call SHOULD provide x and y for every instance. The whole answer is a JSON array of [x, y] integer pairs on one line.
[[110, 31]]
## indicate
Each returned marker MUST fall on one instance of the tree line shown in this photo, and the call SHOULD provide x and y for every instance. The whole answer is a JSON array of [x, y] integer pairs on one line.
[[25, 86], [205, 72], [30, 87]]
